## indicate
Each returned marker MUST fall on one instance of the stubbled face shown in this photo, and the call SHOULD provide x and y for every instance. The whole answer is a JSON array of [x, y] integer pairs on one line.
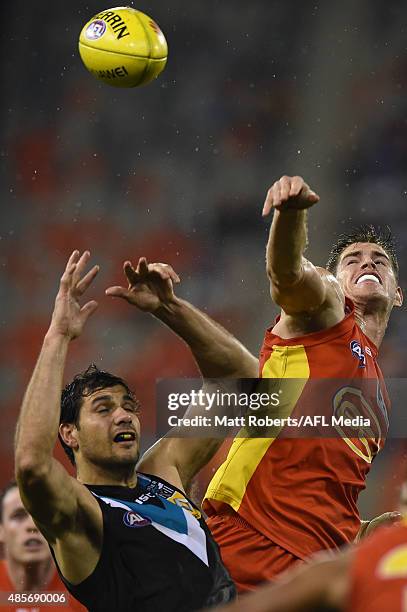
[[109, 428], [22, 541], [365, 274]]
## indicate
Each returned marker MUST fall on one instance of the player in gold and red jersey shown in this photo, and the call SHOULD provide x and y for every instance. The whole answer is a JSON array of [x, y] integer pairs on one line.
[[274, 502], [370, 576]]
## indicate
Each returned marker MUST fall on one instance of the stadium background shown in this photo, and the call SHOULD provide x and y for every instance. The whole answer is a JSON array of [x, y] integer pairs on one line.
[[177, 171]]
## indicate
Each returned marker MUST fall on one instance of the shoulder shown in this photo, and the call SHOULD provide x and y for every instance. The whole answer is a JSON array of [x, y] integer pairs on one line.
[[334, 290], [329, 313], [158, 461]]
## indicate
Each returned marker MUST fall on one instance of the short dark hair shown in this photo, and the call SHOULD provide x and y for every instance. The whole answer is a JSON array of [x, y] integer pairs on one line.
[[10, 485], [365, 233], [83, 384]]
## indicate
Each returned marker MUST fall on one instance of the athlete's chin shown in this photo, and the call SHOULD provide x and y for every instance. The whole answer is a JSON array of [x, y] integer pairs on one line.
[[37, 556], [367, 292], [126, 456]]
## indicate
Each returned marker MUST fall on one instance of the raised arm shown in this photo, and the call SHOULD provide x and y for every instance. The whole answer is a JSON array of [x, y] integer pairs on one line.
[[296, 285], [50, 495], [217, 353]]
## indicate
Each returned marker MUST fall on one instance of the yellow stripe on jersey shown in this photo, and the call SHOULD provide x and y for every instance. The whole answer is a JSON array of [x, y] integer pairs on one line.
[[230, 481], [394, 564]]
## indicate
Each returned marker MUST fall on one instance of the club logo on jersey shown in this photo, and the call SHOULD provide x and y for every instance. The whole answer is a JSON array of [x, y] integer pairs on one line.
[[357, 352], [182, 502], [132, 519], [96, 29]]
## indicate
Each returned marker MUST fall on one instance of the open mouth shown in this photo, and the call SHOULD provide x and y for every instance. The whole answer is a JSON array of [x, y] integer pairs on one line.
[[369, 277], [33, 544], [125, 436]]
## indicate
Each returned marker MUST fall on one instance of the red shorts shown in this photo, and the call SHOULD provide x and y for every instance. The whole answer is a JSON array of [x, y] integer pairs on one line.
[[250, 557]]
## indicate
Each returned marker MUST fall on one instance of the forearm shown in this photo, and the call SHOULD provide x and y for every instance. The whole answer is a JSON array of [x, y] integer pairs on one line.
[[38, 424], [367, 527], [286, 246], [217, 353], [320, 586]]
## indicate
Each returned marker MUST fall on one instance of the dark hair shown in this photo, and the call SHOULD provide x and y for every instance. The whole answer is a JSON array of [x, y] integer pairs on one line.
[[364, 233], [83, 384], [10, 485]]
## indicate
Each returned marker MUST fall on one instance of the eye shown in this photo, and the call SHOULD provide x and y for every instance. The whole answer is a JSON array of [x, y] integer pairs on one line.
[[131, 407], [351, 261], [19, 515], [102, 409]]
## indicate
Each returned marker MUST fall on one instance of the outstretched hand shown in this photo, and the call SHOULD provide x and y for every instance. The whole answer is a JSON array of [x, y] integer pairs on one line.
[[69, 317], [289, 192], [386, 519], [150, 286]]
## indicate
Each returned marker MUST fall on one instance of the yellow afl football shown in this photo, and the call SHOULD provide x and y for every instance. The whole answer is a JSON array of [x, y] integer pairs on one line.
[[123, 47]]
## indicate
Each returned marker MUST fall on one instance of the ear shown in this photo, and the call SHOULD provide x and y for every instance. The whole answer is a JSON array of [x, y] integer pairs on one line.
[[398, 298], [68, 432]]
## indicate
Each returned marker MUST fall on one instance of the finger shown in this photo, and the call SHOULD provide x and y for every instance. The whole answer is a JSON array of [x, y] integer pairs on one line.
[[272, 199], [395, 516], [309, 195], [297, 183], [117, 291], [285, 185], [312, 197], [276, 194], [84, 283], [171, 272], [165, 271], [66, 279], [88, 309], [160, 270], [131, 274], [73, 258], [80, 266], [142, 266], [268, 203]]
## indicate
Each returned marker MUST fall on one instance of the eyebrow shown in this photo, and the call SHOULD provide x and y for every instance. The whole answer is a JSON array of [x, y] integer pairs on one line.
[[357, 253], [109, 398]]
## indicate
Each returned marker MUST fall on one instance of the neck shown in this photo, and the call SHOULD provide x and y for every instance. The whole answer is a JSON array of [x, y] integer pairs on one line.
[[372, 320], [124, 475], [31, 576]]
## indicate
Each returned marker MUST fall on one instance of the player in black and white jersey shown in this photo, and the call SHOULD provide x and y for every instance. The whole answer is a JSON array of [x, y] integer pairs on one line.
[[123, 539]]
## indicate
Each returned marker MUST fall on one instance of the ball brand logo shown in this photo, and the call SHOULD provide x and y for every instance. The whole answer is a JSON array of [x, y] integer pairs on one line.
[[95, 30], [132, 519], [116, 22], [357, 352]]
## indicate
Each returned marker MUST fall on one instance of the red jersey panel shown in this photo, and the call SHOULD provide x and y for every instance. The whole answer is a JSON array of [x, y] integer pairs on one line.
[[379, 572], [302, 493], [54, 586]]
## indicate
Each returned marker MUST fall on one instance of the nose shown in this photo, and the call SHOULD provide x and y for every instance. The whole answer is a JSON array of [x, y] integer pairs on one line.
[[368, 262], [121, 416], [30, 525]]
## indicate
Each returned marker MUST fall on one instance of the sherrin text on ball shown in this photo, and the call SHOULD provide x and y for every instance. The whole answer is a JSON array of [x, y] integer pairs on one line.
[[123, 47]]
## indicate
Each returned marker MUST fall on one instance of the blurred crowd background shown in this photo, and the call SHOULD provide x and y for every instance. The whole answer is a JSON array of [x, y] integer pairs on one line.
[[177, 171]]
